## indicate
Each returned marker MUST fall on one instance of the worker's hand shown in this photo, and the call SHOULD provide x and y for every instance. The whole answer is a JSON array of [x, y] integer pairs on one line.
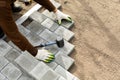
[[26, 2], [60, 16], [45, 56]]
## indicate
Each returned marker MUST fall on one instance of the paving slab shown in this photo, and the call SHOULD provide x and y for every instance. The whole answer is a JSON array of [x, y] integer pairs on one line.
[[68, 48], [37, 17], [35, 27], [27, 14], [39, 71], [67, 34], [67, 24], [2, 77], [50, 24], [50, 75], [64, 73], [26, 77], [56, 4], [11, 72], [35, 39], [26, 61], [23, 30], [53, 48], [48, 35], [14, 46], [61, 78], [3, 62], [51, 15], [64, 60], [52, 65], [4, 47], [12, 55]]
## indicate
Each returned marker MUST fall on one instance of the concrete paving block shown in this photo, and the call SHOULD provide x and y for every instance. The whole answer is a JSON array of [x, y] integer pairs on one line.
[[68, 48], [12, 55], [2, 77], [26, 77], [3, 62], [50, 75], [48, 35], [67, 34], [75, 78], [40, 70], [37, 17], [61, 78], [67, 24], [50, 24], [62, 59], [56, 4], [11, 72], [26, 61], [52, 65], [23, 30], [35, 39], [4, 47], [53, 48], [14, 46], [64, 73], [35, 27], [49, 14]]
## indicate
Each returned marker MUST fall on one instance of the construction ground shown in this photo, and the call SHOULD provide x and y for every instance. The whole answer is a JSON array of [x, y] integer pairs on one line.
[[97, 37]]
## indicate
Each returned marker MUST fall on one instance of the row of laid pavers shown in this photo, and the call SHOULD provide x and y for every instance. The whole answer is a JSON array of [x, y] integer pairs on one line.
[[26, 62], [49, 24], [61, 58], [41, 71]]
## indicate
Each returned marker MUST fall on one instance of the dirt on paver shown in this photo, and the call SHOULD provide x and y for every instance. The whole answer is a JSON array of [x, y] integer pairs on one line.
[[97, 38]]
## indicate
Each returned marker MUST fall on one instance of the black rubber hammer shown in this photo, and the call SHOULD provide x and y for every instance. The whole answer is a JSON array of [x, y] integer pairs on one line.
[[59, 42]]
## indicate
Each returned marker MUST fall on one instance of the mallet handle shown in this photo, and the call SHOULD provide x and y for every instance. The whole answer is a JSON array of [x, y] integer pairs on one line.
[[46, 44]]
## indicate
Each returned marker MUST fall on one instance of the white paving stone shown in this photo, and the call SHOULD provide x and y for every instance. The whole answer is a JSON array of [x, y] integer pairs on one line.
[[11, 72], [50, 75], [67, 24], [3, 62], [50, 24], [2, 77], [56, 4], [35, 39], [61, 78], [37, 17], [26, 61], [64, 60], [14, 46], [4, 47], [52, 65], [67, 34], [53, 48], [68, 48], [49, 14], [12, 55], [64, 73], [26, 77], [40, 70], [35, 27], [48, 35], [23, 30], [75, 78]]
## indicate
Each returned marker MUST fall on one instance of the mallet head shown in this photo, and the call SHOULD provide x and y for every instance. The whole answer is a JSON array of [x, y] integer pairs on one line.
[[60, 42]]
